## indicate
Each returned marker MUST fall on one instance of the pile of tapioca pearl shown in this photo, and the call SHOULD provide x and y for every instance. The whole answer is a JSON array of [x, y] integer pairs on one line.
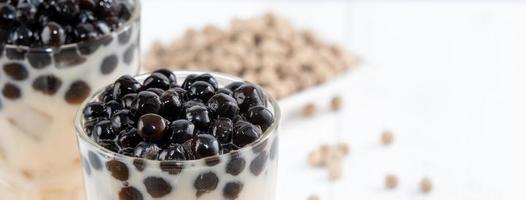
[[265, 50]]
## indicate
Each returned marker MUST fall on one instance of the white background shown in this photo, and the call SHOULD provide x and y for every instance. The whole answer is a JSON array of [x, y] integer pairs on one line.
[[448, 78]]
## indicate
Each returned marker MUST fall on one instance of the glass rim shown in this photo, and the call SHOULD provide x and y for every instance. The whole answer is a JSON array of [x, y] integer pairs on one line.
[[81, 133], [135, 15]]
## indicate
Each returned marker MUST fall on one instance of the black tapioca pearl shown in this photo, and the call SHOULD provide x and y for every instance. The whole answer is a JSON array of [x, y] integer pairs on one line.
[[94, 160], [86, 166], [205, 182], [258, 164], [77, 92], [11, 91], [130, 193], [236, 165], [139, 164], [212, 161], [157, 187], [118, 170], [39, 60], [68, 57], [47, 84], [16, 71], [15, 53], [171, 167], [129, 54], [260, 146], [274, 149], [124, 36], [109, 64], [232, 190]]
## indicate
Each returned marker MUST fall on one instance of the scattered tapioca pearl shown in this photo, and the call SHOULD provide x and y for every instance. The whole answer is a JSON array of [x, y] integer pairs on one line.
[[129, 54], [39, 60], [171, 168], [232, 189], [109, 64], [68, 57], [425, 185], [77, 92], [258, 164], [130, 193], [125, 35], [274, 149], [212, 161], [15, 53], [139, 164], [387, 138], [86, 166], [16, 71], [236, 165], [94, 160], [391, 181], [118, 170], [11, 91], [47, 84], [205, 182], [157, 187]]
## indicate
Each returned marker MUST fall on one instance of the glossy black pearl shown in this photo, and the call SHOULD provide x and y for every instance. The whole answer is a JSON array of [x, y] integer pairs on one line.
[[94, 110], [102, 27], [157, 80], [180, 131], [86, 16], [173, 152], [168, 74], [222, 129], [146, 102], [201, 90], [151, 127], [127, 100], [103, 131], [261, 116], [245, 133], [109, 144], [206, 77], [125, 85], [198, 115], [225, 91], [188, 81], [205, 145], [112, 107], [67, 11], [223, 105], [121, 120], [172, 105], [157, 91], [22, 36], [249, 95], [128, 138], [7, 14], [147, 150], [234, 85], [85, 32], [53, 35]]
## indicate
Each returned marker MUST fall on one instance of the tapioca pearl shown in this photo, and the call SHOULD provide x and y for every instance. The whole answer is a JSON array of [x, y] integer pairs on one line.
[[205, 182], [258, 164], [39, 60], [130, 193], [260, 146], [86, 166], [236, 165], [274, 149], [124, 36], [77, 92], [68, 57], [11, 91], [232, 190], [139, 164], [16, 71], [109, 64], [129, 54], [212, 161], [157, 187], [94, 160], [171, 167], [47, 84], [15, 54], [118, 170]]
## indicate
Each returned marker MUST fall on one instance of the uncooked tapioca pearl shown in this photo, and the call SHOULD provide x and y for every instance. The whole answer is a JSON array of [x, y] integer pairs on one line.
[[118, 170], [77, 92], [11, 91], [205, 182], [387, 137], [344, 148], [139, 164], [309, 110], [274, 149], [94, 160], [39, 60], [16, 71], [47, 84], [157, 187], [130, 193], [391, 181], [425, 185], [236, 165], [232, 189], [171, 167], [129, 54], [109, 64], [313, 197], [258, 164], [336, 103], [316, 158]]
